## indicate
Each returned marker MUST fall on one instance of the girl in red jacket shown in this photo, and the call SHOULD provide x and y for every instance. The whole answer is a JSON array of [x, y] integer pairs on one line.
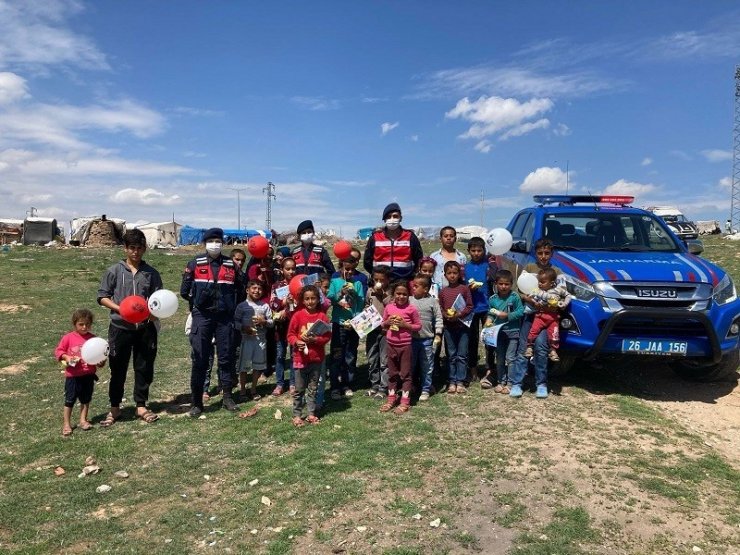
[[308, 332]]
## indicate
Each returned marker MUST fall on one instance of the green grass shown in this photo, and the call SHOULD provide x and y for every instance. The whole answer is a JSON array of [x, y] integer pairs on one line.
[[358, 468]]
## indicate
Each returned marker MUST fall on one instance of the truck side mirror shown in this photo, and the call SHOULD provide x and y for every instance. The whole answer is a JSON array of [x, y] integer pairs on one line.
[[694, 246], [519, 246]]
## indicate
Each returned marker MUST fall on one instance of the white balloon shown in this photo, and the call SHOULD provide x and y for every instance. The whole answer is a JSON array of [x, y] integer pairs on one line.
[[94, 350], [499, 241], [163, 303], [526, 283]]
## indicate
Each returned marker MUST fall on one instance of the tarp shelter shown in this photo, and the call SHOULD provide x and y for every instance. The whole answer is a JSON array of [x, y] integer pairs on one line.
[[467, 232], [162, 234], [194, 235], [364, 233], [80, 228], [39, 231]]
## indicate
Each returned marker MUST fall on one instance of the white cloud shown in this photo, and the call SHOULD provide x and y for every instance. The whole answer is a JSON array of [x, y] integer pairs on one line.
[[680, 154], [562, 130], [525, 128], [483, 146], [37, 34], [387, 127], [513, 81], [717, 155], [145, 197], [646, 161], [719, 42], [373, 100], [492, 115], [623, 187], [725, 182], [545, 180], [317, 103], [12, 88], [189, 111]]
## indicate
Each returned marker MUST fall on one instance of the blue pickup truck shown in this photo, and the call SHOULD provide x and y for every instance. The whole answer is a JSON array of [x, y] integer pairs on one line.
[[637, 289]]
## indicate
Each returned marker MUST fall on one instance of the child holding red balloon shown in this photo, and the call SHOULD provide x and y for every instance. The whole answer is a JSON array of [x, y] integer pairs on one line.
[[128, 332], [79, 376]]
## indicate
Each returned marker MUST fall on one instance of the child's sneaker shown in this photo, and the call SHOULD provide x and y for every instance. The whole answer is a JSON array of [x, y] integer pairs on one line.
[[424, 396], [516, 391], [553, 355], [348, 392], [336, 395], [541, 392], [528, 353]]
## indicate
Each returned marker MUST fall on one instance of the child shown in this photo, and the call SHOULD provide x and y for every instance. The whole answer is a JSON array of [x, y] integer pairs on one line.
[[252, 317], [448, 252], [476, 273], [428, 267], [425, 340], [79, 376], [356, 256], [324, 305], [549, 299], [282, 311], [128, 277], [308, 353], [348, 300], [506, 308], [400, 319], [378, 295], [455, 329]]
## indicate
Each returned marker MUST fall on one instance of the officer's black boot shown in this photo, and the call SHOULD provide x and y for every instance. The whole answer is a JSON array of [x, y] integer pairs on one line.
[[228, 402]]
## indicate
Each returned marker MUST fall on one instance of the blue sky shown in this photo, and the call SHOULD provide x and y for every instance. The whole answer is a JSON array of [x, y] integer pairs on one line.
[[143, 109]]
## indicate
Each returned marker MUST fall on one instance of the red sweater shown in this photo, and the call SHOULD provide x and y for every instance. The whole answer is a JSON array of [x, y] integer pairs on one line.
[[299, 323], [447, 296]]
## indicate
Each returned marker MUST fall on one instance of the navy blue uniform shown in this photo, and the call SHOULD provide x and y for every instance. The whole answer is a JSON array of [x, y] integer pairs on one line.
[[213, 287]]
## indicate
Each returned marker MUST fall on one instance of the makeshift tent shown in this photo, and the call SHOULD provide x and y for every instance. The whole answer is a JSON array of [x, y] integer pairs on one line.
[[39, 231], [194, 235], [162, 234], [364, 233], [10, 230], [467, 232], [105, 231], [427, 232]]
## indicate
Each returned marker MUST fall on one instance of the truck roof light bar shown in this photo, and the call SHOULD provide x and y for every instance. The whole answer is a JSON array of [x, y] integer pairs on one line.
[[620, 200]]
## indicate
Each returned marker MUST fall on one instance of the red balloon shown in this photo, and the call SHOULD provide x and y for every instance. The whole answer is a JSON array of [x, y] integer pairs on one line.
[[295, 286], [342, 250], [258, 246], [134, 309]]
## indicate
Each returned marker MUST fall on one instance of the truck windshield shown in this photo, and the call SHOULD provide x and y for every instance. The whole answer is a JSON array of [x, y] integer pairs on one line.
[[608, 231]]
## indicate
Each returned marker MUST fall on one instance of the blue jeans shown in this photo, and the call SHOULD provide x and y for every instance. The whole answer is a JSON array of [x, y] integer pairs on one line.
[[322, 385], [344, 343], [456, 340], [541, 349], [281, 349], [507, 357], [422, 355]]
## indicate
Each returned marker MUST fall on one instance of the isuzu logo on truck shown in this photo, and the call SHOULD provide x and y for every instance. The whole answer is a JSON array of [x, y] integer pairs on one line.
[[656, 292]]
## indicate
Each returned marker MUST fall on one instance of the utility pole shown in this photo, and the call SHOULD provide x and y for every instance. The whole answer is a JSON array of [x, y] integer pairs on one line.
[[238, 205], [735, 201], [32, 212], [482, 207], [270, 191]]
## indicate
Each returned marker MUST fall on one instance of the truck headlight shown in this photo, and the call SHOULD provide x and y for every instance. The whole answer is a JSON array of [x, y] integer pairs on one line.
[[579, 289], [724, 292]]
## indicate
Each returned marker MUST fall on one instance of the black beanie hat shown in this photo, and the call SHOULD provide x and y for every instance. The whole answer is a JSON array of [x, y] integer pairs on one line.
[[304, 225], [392, 207], [213, 233]]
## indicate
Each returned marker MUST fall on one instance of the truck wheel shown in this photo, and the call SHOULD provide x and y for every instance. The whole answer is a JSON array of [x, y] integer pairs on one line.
[[724, 370], [566, 364]]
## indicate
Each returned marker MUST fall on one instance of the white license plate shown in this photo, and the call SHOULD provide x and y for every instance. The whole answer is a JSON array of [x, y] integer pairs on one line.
[[655, 347]]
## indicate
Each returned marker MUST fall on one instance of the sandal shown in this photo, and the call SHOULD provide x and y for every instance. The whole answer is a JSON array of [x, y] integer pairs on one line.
[[402, 408], [506, 390], [85, 426], [109, 420], [388, 405], [249, 413], [66, 431], [313, 419], [485, 383], [148, 416], [452, 388], [498, 389], [461, 389], [298, 422], [278, 391]]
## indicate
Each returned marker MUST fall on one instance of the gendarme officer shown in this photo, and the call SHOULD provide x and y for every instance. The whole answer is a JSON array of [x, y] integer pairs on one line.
[[310, 258], [213, 286]]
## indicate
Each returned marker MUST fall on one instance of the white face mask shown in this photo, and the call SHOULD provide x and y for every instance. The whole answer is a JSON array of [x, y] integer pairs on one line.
[[213, 248], [393, 223], [306, 237]]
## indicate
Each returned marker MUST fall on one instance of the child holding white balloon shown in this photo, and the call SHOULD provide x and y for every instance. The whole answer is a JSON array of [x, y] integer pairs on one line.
[[79, 375]]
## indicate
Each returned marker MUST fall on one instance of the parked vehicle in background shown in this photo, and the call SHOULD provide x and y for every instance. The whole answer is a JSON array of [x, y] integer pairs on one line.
[[637, 290], [679, 224]]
